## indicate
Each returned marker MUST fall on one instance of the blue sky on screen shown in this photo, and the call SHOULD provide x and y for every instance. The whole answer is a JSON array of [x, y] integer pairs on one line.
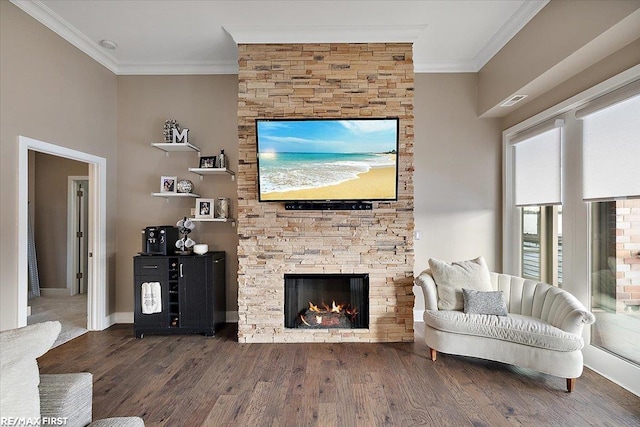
[[327, 136]]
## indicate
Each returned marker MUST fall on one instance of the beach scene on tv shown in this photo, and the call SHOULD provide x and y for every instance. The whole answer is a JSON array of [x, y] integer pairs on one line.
[[327, 159]]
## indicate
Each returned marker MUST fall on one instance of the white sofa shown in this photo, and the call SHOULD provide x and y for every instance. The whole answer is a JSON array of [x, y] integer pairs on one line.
[[542, 330], [28, 398]]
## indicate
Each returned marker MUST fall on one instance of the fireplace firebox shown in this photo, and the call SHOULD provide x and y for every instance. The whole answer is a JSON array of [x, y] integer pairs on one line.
[[319, 301]]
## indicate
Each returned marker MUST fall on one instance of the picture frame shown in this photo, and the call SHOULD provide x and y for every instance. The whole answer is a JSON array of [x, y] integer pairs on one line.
[[205, 208], [168, 184], [208, 162]]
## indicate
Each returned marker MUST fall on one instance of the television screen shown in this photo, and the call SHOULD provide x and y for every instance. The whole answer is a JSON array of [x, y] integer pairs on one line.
[[327, 159]]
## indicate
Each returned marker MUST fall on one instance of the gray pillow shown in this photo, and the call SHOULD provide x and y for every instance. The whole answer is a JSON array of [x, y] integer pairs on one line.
[[450, 278], [478, 302]]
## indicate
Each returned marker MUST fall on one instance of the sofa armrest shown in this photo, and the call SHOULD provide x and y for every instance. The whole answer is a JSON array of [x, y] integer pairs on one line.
[[428, 285], [575, 320], [67, 396]]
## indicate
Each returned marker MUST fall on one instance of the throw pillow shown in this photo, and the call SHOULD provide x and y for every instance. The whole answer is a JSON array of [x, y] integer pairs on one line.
[[478, 302], [19, 374], [450, 278]]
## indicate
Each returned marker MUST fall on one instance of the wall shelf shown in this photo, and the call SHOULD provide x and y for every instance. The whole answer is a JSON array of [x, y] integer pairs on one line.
[[179, 146], [167, 195], [213, 171], [231, 220]]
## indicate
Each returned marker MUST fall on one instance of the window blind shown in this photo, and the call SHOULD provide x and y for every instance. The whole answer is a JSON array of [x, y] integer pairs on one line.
[[611, 150], [538, 165]]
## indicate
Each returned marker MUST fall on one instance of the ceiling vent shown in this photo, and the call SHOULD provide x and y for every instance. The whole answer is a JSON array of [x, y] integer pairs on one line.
[[513, 100]]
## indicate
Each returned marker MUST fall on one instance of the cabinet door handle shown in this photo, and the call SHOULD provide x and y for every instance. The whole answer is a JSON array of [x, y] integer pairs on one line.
[[150, 267], [181, 275]]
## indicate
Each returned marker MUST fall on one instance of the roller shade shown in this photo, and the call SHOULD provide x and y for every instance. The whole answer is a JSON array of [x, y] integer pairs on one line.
[[611, 150], [538, 165]]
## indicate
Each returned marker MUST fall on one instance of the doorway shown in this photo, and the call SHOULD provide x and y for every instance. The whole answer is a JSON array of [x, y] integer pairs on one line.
[[96, 223]]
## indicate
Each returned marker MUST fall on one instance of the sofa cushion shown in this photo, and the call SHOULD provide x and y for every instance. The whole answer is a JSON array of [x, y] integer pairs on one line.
[[479, 302], [513, 327], [19, 375], [451, 278]]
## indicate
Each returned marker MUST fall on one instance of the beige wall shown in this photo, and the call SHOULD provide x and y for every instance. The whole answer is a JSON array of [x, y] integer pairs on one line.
[[206, 105], [610, 66], [564, 38], [457, 175], [50, 215], [51, 92]]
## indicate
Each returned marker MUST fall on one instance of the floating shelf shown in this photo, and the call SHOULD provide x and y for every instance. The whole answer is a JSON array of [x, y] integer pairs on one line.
[[213, 171], [179, 146], [231, 220], [167, 195]]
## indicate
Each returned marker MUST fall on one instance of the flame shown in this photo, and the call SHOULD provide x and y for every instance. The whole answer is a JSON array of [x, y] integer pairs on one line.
[[323, 309]]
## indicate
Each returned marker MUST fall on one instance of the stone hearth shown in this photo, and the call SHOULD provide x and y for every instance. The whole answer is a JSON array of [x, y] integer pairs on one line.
[[325, 81]]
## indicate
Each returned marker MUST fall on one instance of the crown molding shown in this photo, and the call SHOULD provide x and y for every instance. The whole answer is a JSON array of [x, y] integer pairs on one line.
[[520, 18], [177, 68], [324, 33], [449, 66], [57, 24]]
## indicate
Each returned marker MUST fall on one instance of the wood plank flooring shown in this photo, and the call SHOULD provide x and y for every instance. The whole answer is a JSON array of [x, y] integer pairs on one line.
[[200, 381]]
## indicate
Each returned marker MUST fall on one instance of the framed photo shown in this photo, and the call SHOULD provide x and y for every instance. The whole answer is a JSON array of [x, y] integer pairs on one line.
[[168, 184], [204, 208], [208, 162]]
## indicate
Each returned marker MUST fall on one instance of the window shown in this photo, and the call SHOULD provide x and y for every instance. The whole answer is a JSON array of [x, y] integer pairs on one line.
[[612, 172], [593, 236], [542, 244]]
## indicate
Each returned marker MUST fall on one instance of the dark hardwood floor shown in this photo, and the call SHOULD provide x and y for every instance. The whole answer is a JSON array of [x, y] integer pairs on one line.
[[200, 381]]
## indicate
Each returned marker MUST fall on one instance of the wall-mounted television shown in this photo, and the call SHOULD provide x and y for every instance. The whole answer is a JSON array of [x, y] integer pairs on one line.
[[327, 159]]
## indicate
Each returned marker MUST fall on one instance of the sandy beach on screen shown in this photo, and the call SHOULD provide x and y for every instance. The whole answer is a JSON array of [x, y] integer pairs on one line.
[[378, 183]]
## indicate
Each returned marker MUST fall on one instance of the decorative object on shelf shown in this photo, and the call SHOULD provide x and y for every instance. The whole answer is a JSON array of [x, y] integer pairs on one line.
[[184, 244], [180, 136], [201, 248], [169, 125], [222, 207], [208, 162], [221, 161], [184, 186], [168, 184], [204, 208]]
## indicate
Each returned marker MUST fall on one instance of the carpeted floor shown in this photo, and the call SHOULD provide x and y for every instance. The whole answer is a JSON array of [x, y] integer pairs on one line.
[[70, 311]]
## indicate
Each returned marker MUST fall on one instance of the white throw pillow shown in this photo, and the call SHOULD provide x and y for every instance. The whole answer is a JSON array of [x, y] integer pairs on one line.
[[19, 374], [451, 278]]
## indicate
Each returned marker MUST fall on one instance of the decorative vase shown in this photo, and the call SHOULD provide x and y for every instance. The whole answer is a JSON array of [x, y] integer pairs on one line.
[[184, 186]]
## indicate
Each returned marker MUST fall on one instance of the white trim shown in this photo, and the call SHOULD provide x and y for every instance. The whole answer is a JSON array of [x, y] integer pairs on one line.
[[520, 18], [72, 266], [96, 293], [618, 370], [259, 34], [418, 315], [446, 66], [55, 292], [64, 29], [174, 68]]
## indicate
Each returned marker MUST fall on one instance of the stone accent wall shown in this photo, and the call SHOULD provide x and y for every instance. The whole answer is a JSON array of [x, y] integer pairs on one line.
[[627, 256], [324, 81]]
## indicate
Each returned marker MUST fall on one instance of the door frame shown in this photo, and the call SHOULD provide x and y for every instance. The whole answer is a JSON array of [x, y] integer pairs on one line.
[[96, 283], [72, 219]]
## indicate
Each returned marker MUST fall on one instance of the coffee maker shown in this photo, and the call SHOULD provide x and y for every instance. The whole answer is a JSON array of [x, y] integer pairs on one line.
[[159, 240]]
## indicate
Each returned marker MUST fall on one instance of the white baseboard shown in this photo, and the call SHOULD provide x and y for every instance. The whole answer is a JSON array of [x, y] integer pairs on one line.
[[55, 292], [418, 315]]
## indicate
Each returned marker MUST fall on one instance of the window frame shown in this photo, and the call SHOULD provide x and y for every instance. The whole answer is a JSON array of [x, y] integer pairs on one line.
[[576, 218]]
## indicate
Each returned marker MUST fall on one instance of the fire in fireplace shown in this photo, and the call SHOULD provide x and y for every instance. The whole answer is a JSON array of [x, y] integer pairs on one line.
[[307, 298]]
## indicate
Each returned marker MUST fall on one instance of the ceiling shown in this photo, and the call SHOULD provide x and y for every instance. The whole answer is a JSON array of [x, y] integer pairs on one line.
[[200, 36]]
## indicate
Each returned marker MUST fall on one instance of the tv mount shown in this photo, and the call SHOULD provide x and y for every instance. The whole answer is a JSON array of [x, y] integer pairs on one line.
[[328, 206]]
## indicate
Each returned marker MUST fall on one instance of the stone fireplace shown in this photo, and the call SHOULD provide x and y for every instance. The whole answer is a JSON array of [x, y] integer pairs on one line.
[[324, 81]]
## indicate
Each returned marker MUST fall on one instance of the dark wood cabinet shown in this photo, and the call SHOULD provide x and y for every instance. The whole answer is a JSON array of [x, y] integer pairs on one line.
[[192, 293]]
